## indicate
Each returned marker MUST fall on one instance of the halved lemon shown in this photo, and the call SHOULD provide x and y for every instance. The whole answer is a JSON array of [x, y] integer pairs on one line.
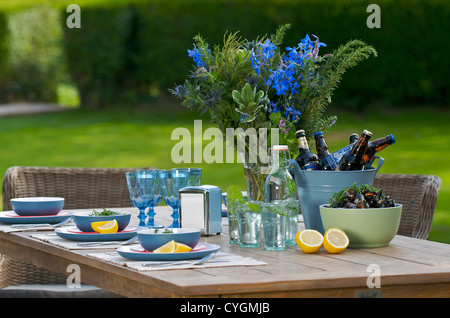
[[109, 227], [309, 241], [335, 241], [95, 225]]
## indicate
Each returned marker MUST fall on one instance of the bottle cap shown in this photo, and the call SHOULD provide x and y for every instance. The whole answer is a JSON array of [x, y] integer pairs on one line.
[[366, 132], [300, 132], [392, 138], [280, 148], [318, 133]]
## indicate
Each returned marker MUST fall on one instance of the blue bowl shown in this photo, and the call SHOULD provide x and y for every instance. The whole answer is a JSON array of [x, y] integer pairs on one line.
[[151, 240], [83, 220], [37, 206]]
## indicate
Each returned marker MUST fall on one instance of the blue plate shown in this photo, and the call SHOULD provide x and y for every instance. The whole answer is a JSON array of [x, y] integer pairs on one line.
[[11, 217], [74, 234], [138, 253]]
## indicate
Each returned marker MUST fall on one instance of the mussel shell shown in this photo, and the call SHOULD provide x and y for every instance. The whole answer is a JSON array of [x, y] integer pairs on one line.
[[350, 205]]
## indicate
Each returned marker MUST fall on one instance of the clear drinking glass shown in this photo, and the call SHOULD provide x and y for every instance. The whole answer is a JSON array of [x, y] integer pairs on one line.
[[172, 182], [195, 175], [274, 216], [232, 221], [140, 186], [293, 207], [249, 223]]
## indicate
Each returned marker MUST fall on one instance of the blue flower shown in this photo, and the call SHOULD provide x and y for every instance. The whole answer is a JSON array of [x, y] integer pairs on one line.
[[197, 56], [261, 54], [268, 49], [306, 42], [256, 64], [295, 114]]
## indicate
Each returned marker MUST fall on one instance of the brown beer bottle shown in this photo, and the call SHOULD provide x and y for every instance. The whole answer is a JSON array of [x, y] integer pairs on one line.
[[354, 159], [306, 159], [377, 145], [322, 150]]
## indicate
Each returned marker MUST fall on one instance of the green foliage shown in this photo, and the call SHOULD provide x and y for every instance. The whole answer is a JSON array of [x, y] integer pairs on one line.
[[331, 72], [33, 56], [248, 102], [148, 49], [98, 59]]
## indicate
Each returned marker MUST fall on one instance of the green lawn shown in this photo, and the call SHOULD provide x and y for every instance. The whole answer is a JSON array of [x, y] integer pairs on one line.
[[139, 137]]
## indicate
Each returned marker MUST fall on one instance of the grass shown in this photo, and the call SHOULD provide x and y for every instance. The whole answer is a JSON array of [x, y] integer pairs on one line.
[[141, 137]]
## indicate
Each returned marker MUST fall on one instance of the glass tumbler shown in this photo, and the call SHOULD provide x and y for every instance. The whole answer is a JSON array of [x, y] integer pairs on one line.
[[274, 216], [249, 223], [232, 221], [293, 207]]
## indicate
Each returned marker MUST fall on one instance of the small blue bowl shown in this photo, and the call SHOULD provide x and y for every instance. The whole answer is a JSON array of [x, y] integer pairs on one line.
[[83, 220], [151, 240], [37, 206]]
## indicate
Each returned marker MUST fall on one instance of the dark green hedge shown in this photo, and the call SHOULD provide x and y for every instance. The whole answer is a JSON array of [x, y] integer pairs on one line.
[[126, 52]]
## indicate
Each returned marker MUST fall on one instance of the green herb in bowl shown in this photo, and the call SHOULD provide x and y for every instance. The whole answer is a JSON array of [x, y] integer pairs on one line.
[[103, 213]]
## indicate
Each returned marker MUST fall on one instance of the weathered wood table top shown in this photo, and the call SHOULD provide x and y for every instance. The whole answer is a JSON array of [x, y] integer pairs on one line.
[[406, 268]]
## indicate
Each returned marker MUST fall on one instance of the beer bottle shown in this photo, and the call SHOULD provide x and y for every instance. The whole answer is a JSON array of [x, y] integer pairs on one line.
[[322, 151], [377, 145], [353, 138], [306, 159], [354, 159], [332, 159]]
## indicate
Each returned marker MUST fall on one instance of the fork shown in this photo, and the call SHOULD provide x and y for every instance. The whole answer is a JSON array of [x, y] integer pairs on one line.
[[197, 262]]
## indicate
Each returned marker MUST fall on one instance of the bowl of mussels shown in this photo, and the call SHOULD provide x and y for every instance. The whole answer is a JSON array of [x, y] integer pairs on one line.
[[368, 216]]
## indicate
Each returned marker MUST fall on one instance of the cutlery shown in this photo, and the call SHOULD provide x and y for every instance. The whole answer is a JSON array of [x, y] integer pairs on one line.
[[134, 238], [197, 262], [131, 240], [98, 243], [39, 225]]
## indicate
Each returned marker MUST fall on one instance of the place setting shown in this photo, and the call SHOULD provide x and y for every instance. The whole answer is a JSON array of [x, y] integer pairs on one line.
[[34, 214], [93, 230], [172, 248]]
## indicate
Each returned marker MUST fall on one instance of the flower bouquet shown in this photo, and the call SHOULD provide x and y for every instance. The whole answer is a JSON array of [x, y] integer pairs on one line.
[[257, 86]]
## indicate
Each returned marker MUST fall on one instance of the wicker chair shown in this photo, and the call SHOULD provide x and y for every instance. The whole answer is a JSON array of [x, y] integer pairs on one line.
[[81, 188], [418, 194]]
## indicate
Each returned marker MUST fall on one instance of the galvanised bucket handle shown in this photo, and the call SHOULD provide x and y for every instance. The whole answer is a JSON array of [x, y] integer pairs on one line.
[[297, 171], [379, 164]]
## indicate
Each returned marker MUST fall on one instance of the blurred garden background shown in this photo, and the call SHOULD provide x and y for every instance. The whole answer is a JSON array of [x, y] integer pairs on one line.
[[113, 75]]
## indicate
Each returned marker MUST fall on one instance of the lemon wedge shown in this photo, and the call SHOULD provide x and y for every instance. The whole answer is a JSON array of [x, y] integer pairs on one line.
[[309, 241], [335, 241], [182, 248], [109, 227], [169, 247], [95, 225], [173, 247]]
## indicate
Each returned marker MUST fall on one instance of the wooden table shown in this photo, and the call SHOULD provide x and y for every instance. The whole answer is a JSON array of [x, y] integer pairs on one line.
[[407, 268]]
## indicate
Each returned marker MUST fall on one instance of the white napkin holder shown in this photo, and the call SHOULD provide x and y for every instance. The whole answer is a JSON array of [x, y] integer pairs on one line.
[[201, 208]]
